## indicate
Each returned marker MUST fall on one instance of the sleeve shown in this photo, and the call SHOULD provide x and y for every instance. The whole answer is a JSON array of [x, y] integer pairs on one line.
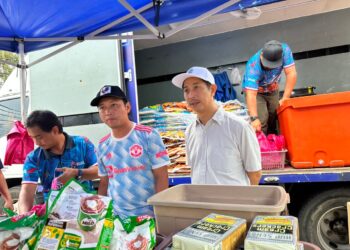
[[157, 151], [30, 170], [287, 56], [1, 165], [90, 153], [252, 75], [250, 150]]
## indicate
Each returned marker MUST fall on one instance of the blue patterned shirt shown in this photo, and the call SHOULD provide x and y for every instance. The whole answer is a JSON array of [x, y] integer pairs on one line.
[[41, 164], [128, 162], [257, 78]]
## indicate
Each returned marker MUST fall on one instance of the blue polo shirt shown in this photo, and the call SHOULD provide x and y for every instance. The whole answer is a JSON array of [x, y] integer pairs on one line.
[[41, 164], [257, 78]]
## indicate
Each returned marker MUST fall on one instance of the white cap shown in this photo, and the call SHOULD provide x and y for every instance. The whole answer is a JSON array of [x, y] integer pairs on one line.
[[199, 72]]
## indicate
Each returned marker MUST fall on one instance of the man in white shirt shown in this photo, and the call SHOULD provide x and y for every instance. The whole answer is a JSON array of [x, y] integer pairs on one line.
[[221, 147]]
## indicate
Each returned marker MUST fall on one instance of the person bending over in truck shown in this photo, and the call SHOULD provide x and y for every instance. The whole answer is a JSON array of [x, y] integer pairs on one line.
[[4, 191], [221, 147], [132, 159], [261, 81], [58, 154]]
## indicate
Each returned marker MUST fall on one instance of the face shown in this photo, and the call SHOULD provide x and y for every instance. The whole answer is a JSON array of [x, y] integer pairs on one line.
[[114, 112], [198, 95], [45, 140]]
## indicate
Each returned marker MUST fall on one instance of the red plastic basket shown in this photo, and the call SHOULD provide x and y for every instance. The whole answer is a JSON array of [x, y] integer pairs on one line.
[[273, 159]]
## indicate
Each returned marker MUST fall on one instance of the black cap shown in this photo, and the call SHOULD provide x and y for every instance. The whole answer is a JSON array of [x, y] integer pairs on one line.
[[272, 54], [108, 91]]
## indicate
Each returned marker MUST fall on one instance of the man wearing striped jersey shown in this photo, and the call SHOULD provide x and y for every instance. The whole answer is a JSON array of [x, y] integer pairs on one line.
[[132, 159], [261, 84]]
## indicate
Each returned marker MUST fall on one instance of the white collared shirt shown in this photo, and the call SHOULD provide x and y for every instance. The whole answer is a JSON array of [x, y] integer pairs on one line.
[[223, 150]]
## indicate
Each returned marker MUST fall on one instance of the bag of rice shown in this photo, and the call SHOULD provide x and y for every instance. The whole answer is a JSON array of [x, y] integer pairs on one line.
[[272, 233], [212, 232]]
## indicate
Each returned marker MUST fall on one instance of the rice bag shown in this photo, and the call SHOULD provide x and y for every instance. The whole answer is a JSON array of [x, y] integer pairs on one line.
[[272, 233], [211, 233], [77, 219], [134, 233]]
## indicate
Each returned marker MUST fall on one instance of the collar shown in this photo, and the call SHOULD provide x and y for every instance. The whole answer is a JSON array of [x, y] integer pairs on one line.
[[68, 144], [217, 117]]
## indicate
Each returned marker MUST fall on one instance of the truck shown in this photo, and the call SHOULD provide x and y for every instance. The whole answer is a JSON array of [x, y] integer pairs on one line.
[[321, 47]]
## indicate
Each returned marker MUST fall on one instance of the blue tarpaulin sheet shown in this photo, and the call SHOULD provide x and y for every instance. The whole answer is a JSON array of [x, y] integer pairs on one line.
[[76, 18]]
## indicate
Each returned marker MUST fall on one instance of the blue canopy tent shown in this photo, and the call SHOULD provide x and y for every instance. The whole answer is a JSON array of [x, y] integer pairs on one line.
[[29, 25]]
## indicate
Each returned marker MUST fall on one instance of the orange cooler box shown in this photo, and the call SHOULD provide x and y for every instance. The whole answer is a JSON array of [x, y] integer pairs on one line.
[[317, 130]]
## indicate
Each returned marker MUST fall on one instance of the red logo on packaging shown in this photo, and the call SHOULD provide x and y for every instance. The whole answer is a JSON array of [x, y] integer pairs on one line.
[[136, 151]]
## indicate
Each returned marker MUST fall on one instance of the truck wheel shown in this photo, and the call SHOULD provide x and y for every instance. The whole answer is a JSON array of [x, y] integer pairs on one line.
[[323, 219]]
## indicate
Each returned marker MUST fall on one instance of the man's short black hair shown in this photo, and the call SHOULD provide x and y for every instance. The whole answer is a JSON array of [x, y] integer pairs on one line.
[[45, 120]]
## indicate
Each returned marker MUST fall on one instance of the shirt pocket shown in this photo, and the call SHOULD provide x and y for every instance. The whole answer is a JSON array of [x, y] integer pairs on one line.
[[225, 158]]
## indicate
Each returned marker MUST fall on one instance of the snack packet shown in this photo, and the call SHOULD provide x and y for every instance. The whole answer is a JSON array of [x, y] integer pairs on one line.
[[134, 232], [77, 219], [15, 230]]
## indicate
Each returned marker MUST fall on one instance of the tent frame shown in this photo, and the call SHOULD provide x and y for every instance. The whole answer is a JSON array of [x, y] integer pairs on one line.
[[155, 34]]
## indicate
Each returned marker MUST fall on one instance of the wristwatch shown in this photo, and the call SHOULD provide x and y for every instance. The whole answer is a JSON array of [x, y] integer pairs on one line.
[[253, 118], [80, 174]]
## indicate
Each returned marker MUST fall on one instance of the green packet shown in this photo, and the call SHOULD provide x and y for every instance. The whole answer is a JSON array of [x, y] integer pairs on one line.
[[77, 219], [19, 231], [15, 221], [134, 232]]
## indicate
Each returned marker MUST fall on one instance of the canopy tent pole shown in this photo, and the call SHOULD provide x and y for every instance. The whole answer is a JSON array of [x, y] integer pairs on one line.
[[86, 38], [23, 80], [201, 17], [90, 36], [122, 37], [143, 20], [120, 20], [53, 53]]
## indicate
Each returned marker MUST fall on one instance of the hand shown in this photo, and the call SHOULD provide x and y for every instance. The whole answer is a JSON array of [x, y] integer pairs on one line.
[[256, 124], [282, 101], [68, 173], [9, 205]]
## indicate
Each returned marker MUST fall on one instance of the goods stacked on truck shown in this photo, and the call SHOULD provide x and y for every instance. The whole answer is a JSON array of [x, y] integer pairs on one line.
[[171, 120], [167, 116]]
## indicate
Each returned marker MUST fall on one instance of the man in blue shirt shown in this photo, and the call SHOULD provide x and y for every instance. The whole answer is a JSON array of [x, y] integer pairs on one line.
[[58, 154], [261, 84]]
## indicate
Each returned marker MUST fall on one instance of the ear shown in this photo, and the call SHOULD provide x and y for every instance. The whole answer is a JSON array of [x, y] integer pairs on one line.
[[213, 89], [55, 130], [128, 107]]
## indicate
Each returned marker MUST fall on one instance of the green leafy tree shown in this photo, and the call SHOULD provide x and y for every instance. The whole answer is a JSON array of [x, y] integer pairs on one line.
[[6, 69]]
